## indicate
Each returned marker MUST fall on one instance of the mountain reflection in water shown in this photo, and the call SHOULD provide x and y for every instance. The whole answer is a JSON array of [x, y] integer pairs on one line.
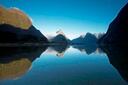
[[118, 57], [16, 62]]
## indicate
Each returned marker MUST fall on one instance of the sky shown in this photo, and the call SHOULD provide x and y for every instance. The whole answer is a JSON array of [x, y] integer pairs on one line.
[[74, 17]]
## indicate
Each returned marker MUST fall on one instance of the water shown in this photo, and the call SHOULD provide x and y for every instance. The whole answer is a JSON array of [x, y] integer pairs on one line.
[[58, 66]]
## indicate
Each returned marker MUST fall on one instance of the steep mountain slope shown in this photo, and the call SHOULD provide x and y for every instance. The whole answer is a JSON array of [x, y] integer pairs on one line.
[[118, 30]]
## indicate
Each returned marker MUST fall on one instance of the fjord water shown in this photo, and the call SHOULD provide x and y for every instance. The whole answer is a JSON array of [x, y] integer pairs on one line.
[[65, 66]]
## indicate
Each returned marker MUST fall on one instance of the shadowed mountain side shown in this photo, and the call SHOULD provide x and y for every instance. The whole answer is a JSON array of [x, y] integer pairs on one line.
[[118, 30], [16, 61], [58, 49], [86, 48], [11, 34], [118, 57]]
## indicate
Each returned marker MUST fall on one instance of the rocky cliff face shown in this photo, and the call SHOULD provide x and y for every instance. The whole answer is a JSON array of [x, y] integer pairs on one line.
[[16, 27], [118, 30]]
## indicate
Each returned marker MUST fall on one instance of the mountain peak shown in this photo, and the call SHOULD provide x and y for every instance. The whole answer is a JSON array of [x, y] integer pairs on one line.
[[60, 32]]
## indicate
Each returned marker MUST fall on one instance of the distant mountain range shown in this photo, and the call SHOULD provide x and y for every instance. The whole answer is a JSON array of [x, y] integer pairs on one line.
[[87, 39]]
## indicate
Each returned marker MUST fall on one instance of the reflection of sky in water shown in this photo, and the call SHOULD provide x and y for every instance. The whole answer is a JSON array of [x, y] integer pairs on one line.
[[74, 68]]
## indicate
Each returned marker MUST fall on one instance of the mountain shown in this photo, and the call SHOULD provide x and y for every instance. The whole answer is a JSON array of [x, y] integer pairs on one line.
[[118, 30], [60, 38], [10, 34], [16, 27], [87, 39]]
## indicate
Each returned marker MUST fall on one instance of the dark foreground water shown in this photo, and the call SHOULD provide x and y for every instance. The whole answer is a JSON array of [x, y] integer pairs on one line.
[[59, 66]]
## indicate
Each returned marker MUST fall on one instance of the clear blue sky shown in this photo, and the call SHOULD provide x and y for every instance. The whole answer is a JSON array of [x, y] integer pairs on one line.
[[74, 17]]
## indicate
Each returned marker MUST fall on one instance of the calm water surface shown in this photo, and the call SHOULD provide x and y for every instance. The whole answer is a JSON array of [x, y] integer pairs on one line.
[[67, 67]]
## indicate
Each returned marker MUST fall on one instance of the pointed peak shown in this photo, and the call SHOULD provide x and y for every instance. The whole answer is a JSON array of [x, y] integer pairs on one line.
[[60, 32]]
